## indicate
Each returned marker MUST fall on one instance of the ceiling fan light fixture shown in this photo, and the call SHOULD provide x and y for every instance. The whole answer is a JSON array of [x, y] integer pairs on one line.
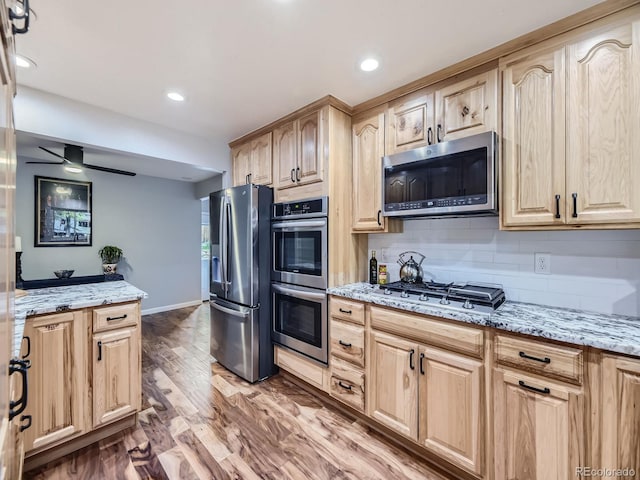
[[73, 169], [175, 96]]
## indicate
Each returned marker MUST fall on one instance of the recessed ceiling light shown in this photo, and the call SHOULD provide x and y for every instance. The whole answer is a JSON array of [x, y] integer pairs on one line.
[[175, 96], [24, 62], [73, 169], [369, 65]]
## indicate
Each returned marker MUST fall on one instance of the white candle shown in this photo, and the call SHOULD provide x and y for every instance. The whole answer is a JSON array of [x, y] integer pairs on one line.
[[18, 244]]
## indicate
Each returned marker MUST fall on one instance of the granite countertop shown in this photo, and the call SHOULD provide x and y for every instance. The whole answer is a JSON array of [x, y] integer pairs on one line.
[[616, 333], [56, 299]]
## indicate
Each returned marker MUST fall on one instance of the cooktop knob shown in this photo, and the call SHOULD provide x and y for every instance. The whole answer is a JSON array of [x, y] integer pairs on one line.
[[444, 301], [387, 291], [404, 294], [423, 298], [467, 304]]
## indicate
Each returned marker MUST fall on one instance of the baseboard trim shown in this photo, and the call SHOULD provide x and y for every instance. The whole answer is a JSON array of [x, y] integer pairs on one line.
[[166, 308]]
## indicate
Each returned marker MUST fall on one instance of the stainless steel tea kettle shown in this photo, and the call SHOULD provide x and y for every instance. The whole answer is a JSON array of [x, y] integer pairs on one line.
[[410, 270]]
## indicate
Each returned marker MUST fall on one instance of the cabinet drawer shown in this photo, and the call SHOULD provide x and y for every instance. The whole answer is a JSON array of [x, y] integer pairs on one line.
[[349, 310], [115, 316], [302, 368], [347, 342], [347, 384], [539, 357], [440, 333]]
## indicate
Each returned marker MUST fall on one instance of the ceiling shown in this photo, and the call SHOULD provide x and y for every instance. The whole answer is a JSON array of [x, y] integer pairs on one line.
[[244, 63]]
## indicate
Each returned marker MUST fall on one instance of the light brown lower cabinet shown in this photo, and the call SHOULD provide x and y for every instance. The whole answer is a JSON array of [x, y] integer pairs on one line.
[[538, 427], [621, 414], [116, 386], [57, 378], [432, 396]]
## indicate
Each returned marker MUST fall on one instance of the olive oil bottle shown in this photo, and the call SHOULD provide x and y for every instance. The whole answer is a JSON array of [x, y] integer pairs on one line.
[[373, 269]]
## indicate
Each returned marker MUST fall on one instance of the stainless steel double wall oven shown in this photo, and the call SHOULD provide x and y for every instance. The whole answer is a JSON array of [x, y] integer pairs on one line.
[[299, 276]]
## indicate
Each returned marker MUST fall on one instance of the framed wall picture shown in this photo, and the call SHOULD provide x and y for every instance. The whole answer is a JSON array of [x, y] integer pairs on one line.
[[63, 214]]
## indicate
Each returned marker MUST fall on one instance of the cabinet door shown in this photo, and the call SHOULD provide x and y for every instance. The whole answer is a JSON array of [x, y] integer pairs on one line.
[[241, 157], [394, 383], [285, 156], [310, 161], [410, 123], [621, 413], [538, 432], [116, 374], [534, 140], [368, 150], [261, 164], [467, 107], [603, 134], [450, 407], [57, 378]]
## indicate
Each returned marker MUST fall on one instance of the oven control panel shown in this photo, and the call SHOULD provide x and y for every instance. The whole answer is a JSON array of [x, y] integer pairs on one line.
[[307, 208]]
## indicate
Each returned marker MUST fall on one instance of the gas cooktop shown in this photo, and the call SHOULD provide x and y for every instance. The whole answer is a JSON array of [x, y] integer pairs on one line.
[[480, 297]]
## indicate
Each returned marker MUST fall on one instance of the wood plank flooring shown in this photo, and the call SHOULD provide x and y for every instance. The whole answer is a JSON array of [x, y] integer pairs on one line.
[[200, 421]]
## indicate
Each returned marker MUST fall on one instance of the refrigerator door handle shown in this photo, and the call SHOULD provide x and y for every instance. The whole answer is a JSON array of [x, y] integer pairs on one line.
[[229, 311], [223, 246], [299, 293]]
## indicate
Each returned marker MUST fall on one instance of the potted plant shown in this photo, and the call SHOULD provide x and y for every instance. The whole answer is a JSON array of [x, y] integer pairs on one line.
[[110, 255]]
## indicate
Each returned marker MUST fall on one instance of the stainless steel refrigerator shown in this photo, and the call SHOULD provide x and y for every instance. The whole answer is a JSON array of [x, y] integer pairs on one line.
[[240, 272]]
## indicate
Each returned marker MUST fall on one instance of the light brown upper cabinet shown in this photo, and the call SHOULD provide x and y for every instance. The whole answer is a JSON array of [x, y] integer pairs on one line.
[[467, 107], [533, 139], [603, 134], [297, 151], [252, 161], [575, 164], [410, 122], [368, 150]]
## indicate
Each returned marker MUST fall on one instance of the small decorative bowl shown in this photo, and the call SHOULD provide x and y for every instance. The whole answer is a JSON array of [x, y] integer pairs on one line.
[[63, 273]]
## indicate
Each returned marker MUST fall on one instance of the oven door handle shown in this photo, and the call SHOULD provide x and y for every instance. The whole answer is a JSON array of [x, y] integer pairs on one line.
[[230, 311], [298, 224], [299, 293]]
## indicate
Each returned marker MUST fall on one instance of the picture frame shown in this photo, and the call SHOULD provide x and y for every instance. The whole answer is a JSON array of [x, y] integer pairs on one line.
[[63, 213]]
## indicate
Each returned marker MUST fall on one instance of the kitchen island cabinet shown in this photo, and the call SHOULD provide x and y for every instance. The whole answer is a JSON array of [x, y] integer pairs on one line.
[[84, 382]]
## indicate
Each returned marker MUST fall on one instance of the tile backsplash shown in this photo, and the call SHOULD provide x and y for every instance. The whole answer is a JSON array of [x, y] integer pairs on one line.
[[596, 270]]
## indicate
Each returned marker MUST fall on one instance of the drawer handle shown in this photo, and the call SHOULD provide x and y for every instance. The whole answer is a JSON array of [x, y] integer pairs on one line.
[[535, 359], [121, 317], [348, 345], [544, 390], [346, 387], [348, 312], [411, 353]]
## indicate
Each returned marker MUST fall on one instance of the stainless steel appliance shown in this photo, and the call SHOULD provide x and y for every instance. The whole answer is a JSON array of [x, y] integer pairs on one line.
[[457, 178], [471, 297], [299, 232], [299, 274], [240, 298]]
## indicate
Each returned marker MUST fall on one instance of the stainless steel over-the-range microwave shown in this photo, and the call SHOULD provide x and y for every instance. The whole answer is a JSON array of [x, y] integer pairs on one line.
[[458, 177]]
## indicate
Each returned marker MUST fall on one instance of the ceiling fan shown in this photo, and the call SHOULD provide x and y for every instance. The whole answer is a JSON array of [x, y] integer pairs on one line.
[[73, 155]]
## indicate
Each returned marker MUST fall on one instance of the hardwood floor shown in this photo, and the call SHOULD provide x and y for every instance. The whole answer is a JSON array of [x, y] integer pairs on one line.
[[200, 421]]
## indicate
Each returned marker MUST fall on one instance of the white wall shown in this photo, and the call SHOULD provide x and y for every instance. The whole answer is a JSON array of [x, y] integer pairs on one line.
[[590, 270], [155, 221]]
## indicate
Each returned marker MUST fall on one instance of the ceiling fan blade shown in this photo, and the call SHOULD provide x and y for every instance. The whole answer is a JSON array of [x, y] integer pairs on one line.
[[46, 163], [109, 170], [54, 153]]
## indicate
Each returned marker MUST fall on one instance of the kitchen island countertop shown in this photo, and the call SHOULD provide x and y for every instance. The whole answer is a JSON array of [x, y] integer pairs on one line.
[[57, 299], [616, 333]]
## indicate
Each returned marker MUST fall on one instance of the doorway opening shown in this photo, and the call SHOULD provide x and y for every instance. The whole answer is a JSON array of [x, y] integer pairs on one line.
[[204, 250]]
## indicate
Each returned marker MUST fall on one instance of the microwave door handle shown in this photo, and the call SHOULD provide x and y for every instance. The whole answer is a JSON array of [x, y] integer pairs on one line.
[[299, 293]]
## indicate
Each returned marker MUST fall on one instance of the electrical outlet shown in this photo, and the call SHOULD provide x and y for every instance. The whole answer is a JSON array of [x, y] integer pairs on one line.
[[542, 263]]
